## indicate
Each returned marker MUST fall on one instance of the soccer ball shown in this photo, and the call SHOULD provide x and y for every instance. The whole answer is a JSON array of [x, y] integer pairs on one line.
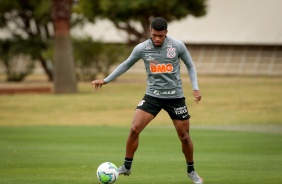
[[107, 172]]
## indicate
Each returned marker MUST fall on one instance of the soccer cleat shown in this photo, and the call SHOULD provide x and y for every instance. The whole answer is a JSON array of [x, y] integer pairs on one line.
[[196, 179], [124, 171]]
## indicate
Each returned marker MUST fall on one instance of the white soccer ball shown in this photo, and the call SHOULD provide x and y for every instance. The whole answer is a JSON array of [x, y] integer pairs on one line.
[[107, 172]]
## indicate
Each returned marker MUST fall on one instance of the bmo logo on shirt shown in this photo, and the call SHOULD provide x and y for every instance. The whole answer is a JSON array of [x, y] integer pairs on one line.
[[161, 68]]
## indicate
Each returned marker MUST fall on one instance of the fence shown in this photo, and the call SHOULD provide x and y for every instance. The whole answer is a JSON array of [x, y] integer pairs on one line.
[[237, 60], [226, 60]]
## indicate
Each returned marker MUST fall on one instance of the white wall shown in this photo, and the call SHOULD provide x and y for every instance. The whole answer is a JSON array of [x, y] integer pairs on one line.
[[227, 21]]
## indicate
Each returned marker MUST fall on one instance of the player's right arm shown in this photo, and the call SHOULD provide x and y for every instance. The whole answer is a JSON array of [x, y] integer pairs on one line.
[[123, 67], [98, 83], [128, 63]]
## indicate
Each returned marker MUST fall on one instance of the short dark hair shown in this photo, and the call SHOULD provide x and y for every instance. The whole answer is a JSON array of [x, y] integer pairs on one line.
[[159, 24]]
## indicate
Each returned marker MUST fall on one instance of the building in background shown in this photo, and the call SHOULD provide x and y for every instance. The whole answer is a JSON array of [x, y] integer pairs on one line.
[[235, 37]]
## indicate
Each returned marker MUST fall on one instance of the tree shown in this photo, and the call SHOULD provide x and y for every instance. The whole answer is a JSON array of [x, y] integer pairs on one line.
[[64, 73], [28, 21], [17, 61], [87, 54], [94, 57], [125, 14]]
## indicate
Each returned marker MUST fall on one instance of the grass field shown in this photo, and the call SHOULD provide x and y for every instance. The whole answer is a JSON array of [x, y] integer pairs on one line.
[[71, 154], [236, 129], [226, 101]]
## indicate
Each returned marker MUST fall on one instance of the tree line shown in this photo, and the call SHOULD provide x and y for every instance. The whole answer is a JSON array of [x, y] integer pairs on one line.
[[39, 31]]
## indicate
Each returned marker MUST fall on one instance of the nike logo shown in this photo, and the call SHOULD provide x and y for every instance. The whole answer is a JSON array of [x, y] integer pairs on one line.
[[185, 116]]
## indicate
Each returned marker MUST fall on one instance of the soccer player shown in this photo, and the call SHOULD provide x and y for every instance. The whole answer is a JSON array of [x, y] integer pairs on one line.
[[161, 55]]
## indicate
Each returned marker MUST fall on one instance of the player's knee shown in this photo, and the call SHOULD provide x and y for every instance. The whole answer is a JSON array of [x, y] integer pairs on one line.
[[185, 139], [134, 132]]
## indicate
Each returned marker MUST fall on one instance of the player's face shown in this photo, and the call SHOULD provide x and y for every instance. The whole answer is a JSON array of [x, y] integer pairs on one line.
[[158, 37]]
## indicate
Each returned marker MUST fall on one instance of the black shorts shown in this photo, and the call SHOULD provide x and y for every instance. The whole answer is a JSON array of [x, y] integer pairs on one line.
[[176, 108]]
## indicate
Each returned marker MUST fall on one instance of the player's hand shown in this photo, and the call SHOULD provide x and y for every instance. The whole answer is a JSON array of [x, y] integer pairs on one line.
[[197, 96], [98, 83]]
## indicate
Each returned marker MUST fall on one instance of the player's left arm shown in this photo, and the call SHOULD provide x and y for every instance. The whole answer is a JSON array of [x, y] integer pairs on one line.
[[197, 95], [188, 61]]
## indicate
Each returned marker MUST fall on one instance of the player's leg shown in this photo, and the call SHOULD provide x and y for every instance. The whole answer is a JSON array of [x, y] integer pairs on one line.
[[182, 127], [140, 120], [178, 112], [146, 110]]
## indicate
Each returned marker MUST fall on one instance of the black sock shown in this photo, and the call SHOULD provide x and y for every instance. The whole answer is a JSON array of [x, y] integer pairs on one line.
[[127, 162], [190, 167]]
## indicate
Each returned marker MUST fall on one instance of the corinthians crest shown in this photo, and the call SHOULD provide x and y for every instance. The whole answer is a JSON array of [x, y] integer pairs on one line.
[[171, 52]]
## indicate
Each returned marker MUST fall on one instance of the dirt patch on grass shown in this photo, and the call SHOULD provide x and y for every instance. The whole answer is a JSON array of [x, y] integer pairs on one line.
[[25, 87]]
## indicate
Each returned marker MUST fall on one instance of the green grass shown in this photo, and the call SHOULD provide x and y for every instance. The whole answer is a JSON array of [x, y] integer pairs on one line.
[[47, 138], [71, 154], [226, 101]]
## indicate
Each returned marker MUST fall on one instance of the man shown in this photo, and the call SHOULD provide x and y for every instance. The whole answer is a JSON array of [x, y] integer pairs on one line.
[[161, 56]]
